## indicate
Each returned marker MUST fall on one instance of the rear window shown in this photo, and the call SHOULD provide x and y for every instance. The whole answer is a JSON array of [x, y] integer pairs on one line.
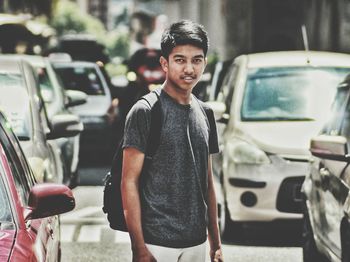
[[290, 94], [81, 78]]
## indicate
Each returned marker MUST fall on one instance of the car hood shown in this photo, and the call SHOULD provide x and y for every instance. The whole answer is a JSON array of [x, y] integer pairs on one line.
[[285, 138], [94, 106], [7, 238]]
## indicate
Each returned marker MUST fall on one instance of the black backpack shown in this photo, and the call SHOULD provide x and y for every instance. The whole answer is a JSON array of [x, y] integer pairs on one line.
[[112, 199]]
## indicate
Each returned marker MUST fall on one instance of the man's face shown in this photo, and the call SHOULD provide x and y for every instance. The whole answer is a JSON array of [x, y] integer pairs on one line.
[[184, 66]]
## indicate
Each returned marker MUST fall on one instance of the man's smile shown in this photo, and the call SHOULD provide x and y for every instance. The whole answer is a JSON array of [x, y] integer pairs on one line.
[[188, 79]]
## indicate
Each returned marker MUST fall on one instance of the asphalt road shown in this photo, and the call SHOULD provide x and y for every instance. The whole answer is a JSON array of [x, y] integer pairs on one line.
[[86, 236]]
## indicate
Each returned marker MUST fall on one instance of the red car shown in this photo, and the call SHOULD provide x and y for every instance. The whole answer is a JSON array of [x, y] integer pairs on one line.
[[29, 223]]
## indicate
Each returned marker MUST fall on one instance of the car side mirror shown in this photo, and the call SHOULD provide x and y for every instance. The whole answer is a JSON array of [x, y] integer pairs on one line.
[[330, 147], [75, 98], [219, 110], [48, 200], [65, 125]]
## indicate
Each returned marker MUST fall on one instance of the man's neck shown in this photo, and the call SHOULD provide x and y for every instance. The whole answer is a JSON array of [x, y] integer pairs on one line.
[[181, 96]]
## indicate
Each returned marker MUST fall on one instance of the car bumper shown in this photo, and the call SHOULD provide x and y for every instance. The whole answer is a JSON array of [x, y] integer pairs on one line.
[[265, 192]]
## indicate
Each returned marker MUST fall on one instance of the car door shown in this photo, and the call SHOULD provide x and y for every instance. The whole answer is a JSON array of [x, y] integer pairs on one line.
[[42, 235], [50, 152], [329, 180]]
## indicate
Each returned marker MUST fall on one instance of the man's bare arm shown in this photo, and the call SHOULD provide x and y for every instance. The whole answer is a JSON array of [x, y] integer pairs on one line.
[[213, 229], [132, 166]]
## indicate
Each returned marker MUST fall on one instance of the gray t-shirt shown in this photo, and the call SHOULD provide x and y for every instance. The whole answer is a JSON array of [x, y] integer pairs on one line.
[[174, 194]]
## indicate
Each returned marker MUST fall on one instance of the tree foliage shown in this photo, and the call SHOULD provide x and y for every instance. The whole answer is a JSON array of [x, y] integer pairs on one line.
[[68, 18]]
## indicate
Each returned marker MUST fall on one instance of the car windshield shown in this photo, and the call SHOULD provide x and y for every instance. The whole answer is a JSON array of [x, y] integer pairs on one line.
[[14, 102], [81, 78], [290, 94]]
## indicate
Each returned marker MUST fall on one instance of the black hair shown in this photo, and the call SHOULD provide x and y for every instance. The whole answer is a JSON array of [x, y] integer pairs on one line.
[[184, 32]]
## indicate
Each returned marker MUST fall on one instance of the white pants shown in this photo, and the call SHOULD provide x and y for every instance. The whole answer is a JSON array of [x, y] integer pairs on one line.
[[188, 254]]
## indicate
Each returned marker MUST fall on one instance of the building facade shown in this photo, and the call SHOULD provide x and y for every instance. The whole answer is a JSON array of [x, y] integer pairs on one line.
[[244, 26]]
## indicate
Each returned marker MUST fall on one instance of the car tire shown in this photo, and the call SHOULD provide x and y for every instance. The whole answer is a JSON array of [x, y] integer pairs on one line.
[[228, 229], [310, 251], [345, 242], [221, 207]]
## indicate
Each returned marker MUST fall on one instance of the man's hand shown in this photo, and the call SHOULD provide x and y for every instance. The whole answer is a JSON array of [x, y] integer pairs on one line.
[[216, 256], [143, 255]]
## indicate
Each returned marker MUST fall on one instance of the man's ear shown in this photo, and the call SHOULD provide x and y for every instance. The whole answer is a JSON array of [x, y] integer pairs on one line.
[[164, 63]]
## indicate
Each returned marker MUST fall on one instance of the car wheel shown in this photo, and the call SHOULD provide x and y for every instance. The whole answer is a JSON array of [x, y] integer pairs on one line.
[[310, 251], [221, 206], [345, 242], [59, 256]]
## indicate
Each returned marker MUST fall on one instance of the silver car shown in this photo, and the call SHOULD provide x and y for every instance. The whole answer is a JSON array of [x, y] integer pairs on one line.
[[326, 230], [99, 113], [21, 101], [59, 101]]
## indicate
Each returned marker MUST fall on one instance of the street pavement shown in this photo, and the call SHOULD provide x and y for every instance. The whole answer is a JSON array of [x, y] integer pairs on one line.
[[86, 236]]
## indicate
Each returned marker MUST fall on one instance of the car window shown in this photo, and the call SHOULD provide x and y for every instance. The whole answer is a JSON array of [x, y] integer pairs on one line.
[[227, 88], [5, 211], [81, 78], [275, 94], [342, 116], [46, 86], [333, 125], [22, 175], [14, 102]]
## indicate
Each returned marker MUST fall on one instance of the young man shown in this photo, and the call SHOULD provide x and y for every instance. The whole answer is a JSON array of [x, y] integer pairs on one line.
[[169, 216]]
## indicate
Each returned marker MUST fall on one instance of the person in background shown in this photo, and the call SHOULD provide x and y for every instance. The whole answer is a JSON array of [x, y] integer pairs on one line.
[[173, 212], [146, 73]]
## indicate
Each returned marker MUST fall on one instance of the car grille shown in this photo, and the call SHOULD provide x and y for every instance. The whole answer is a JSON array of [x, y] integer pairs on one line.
[[289, 195]]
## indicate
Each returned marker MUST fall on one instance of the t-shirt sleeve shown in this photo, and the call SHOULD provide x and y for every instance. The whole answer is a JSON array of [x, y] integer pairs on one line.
[[137, 126], [213, 136]]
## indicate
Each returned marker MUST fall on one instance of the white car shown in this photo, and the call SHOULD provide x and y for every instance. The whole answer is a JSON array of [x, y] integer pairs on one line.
[[268, 108], [21, 102], [57, 102]]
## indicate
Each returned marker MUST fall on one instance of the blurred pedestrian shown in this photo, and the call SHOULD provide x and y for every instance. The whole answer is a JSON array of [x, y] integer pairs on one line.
[[145, 67], [168, 217]]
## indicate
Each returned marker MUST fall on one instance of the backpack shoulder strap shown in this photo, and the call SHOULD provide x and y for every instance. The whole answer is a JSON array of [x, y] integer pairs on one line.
[[153, 101]]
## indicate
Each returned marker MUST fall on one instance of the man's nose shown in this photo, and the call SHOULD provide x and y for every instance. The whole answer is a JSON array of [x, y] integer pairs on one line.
[[188, 68]]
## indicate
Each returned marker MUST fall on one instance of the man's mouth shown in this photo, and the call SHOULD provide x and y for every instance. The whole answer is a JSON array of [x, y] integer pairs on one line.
[[188, 78]]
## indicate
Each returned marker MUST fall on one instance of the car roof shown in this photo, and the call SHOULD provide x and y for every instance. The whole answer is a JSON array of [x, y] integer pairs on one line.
[[11, 64], [295, 58], [75, 64], [35, 60]]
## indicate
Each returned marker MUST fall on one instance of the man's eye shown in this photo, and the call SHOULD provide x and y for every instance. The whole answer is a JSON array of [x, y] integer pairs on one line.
[[179, 60], [197, 61]]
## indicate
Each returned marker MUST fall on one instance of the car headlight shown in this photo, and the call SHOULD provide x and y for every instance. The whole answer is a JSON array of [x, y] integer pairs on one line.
[[244, 153]]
